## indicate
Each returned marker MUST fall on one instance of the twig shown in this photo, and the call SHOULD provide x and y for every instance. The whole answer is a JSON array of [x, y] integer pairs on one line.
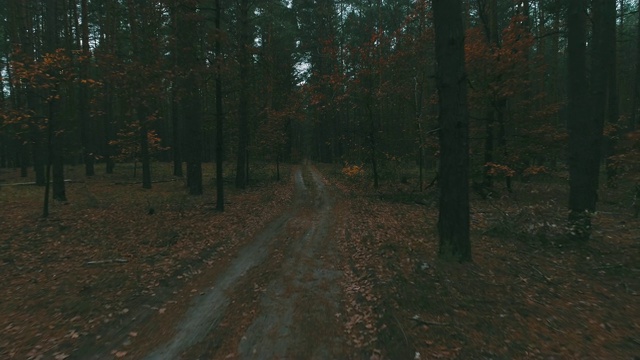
[[32, 183], [108, 261], [140, 182], [401, 328], [422, 322], [607, 267], [541, 274], [634, 340]]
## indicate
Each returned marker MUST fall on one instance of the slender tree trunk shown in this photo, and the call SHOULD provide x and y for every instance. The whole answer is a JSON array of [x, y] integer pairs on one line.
[[108, 40], [142, 110], [453, 218], [145, 159], [87, 130], [176, 135], [55, 147], [175, 105], [242, 175], [635, 103], [108, 127], [219, 114], [609, 59], [373, 151], [487, 181]]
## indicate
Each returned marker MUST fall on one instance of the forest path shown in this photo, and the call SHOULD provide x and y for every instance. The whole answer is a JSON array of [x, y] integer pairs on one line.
[[279, 298]]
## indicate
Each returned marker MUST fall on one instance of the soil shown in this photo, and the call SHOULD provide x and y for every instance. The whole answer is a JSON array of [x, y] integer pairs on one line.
[[321, 266], [280, 297]]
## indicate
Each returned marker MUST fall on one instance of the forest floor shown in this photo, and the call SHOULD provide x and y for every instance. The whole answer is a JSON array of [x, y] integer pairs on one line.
[[319, 265]]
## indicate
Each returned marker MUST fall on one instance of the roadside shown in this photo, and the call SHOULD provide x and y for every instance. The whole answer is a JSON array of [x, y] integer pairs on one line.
[[64, 292]]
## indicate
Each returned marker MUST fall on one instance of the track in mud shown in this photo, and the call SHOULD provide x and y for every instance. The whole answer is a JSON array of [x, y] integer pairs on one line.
[[296, 311]]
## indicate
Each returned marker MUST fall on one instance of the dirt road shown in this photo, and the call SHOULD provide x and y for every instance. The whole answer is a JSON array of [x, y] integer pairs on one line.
[[279, 298]]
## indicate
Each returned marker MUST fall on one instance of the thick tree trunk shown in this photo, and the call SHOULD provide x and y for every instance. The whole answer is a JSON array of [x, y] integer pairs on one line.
[[585, 140], [189, 86], [453, 218]]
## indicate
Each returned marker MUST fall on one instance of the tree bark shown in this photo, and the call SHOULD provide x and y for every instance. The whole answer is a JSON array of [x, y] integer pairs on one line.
[[609, 62], [87, 131], [585, 140], [189, 85], [453, 218], [55, 147], [219, 114], [242, 174], [635, 103], [134, 7]]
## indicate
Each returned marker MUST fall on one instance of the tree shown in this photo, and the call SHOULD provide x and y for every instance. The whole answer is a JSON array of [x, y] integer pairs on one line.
[[55, 133], [86, 126], [585, 129], [189, 85], [219, 112], [244, 63], [453, 219], [141, 22]]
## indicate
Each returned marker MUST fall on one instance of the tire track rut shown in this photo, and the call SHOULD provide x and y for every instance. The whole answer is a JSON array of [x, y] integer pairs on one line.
[[298, 313]]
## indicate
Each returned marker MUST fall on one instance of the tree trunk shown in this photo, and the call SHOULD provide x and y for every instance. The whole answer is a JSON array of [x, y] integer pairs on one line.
[[55, 147], [635, 103], [219, 114], [189, 85], [144, 153], [87, 130], [176, 135], [141, 109], [453, 218], [176, 124], [242, 175], [584, 140], [609, 60]]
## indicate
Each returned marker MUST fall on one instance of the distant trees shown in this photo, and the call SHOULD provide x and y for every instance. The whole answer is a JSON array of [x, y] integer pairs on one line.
[[334, 81]]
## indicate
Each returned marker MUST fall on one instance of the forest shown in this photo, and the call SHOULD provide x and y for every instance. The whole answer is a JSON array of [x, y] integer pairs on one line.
[[465, 175]]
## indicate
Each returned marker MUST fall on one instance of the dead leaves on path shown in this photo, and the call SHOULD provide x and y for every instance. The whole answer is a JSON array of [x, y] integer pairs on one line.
[[67, 278]]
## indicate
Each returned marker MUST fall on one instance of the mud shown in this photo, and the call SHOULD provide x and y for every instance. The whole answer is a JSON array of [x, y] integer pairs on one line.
[[297, 312]]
